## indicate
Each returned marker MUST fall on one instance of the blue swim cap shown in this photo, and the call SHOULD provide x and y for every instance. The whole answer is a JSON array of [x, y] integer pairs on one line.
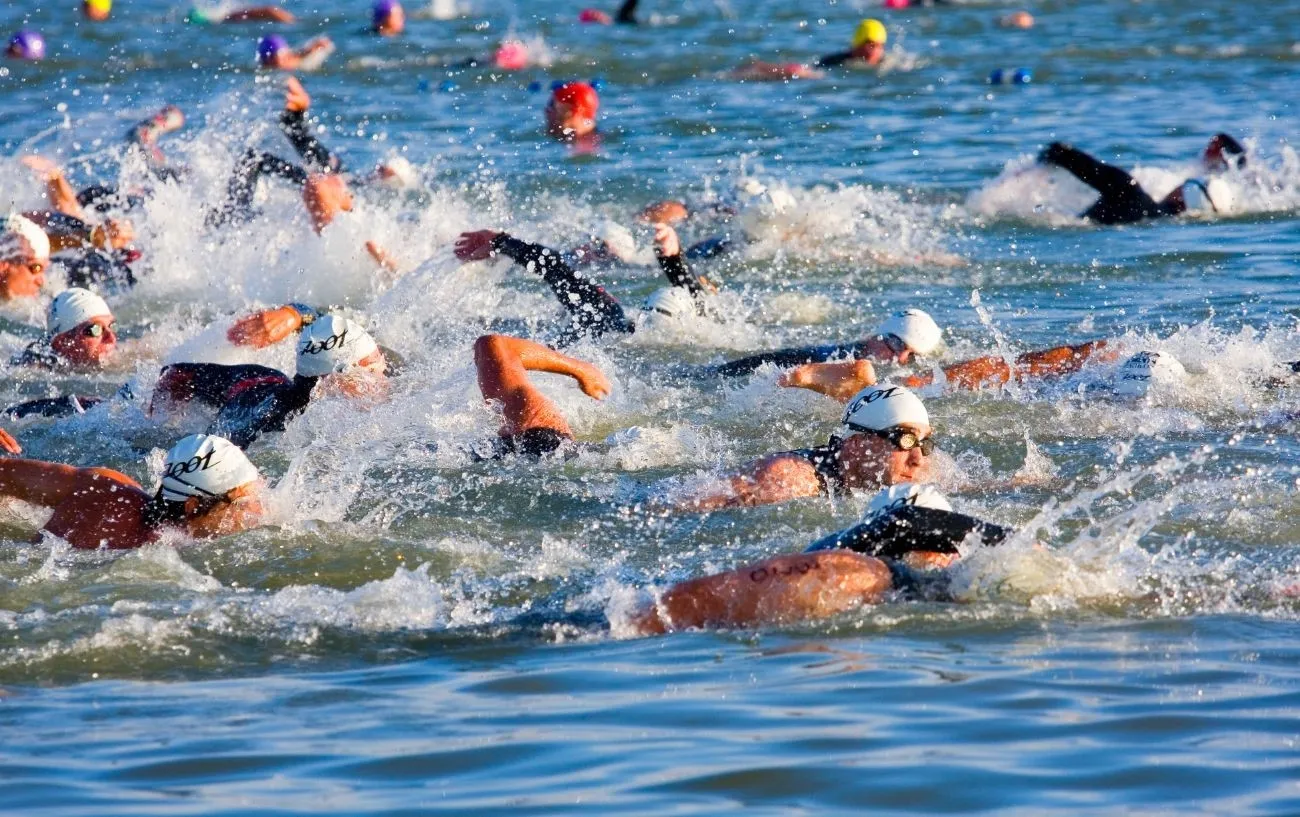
[[269, 46], [382, 9], [27, 44]]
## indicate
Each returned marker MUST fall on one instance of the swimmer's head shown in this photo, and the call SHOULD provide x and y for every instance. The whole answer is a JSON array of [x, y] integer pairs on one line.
[[885, 437], [97, 10], [669, 303], [209, 486], [269, 49], [907, 333], [572, 110], [81, 327], [27, 44], [668, 211], [335, 345], [595, 16], [1224, 153], [869, 41], [903, 495], [388, 18], [1149, 373], [24, 255], [511, 55], [397, 173]]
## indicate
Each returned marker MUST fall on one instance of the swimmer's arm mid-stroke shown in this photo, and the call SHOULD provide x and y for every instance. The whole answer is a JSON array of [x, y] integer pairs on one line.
[[268, 327], [60, 194], [784, 588], [774, 479], [668, 251], [40, 483], [981, 372], [838, 381], [293, 122]]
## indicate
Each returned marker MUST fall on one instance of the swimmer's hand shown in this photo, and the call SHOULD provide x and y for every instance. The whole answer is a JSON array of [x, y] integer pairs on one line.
[[43, 167], [325, 196], [382, 256], [296, 98], [475, 245], [591, 380], [265, 328], [668, 211], [9, 444], [839, 381], [667, 243]]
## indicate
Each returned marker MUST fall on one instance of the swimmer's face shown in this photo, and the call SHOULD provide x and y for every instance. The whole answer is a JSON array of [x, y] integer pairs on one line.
[[888, 349], [22, 276], [366, 380], [664, 212], [238, 510], [392, 23], [870, 53], [90, 343], [114, 234], [869, 461], [563, 121]]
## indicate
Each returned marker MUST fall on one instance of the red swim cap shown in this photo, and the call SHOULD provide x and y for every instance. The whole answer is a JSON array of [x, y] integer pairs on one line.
[[594, 16], [579, 96]]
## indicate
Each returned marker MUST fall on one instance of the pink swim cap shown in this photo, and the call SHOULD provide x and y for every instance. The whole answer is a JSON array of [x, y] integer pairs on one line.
[[511, 56], [594, 16], [897, 4]]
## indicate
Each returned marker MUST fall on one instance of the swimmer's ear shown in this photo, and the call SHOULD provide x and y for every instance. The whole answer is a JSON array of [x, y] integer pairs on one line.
[[191, 507]]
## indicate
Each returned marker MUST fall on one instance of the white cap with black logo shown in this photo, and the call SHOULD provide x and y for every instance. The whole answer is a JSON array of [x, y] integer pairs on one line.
[[331, 345], [204, 465], [884, 406]]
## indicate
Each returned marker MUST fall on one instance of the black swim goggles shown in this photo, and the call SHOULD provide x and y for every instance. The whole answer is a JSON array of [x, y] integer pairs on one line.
[[896, 344], [902, 438]]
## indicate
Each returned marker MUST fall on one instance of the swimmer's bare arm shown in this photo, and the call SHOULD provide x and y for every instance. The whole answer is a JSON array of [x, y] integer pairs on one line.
[[771, 480], [37, 482], [9, 444], [759, 70], [259, 14], [784, 588], [270, 326], [994, 371], [838, 381], [61, 195]]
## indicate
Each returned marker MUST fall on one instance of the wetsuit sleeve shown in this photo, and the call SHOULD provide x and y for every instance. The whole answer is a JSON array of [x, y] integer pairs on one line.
[[52, 407], [262, 407], [627, 12], [238, 205], [710, 248], [911, 528], [832, 60], [1105, 179], [93, 268], [678, 274], [314, 154], [594, 310], [789, 358]]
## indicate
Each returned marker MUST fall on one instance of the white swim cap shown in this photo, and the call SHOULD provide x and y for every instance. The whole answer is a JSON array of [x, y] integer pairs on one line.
[[400, 174], [884, 406], [1220, 193], [1146, 370], [904, 494], [204, 465], [670, 302], [332, 344], [73, 307], [19, 234], [914, 327]]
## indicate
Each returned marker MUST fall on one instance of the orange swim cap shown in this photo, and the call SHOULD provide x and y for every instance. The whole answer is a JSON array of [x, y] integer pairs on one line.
[[579, 96]]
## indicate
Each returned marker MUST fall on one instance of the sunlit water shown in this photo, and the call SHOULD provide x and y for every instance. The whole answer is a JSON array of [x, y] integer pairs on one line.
[[419, 632]]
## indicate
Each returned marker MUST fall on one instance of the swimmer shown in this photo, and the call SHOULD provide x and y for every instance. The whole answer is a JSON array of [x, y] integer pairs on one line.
[[335, 356], [867, 51], [246, 14], [885, 438], [27, 44], [1123, 201], [593, 311], [532, 424], [571, 111], [1017, 19], [274, 52], [388, 19], [904, 336], [81, 333], [208, 489], [96, 10], [908, 531], [626, 15], [24, 256]]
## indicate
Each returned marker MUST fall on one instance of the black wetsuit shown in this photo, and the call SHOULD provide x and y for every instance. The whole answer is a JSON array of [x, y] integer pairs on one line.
[[834, 60], [56, 406], [627, 13], [793, 356], [250, 400], [1123, 201], [825, 461], [38, 355]]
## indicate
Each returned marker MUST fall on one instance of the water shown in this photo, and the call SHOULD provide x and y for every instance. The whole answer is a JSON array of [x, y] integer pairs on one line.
[[417, 632]]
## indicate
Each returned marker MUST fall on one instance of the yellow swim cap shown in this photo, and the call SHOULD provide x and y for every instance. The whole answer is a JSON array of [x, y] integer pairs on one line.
[[104, 6], [870, 31]]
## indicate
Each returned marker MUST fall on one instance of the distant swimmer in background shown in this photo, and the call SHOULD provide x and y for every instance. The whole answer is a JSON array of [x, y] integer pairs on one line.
[[230, 13], [593, 312], [208, 489], [26, 44], [387, 18], [907, 534], [274, 52], [335, 356], [96, 10], [900, 339], [885, 438], [24, 257], [532, 424], [1123, 201], [867, 51], [571, 115], [626, 15]]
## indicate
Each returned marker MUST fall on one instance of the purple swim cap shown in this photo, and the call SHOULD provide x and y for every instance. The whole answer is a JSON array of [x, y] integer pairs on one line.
[[27, 45], [383, 8], [269, 46]]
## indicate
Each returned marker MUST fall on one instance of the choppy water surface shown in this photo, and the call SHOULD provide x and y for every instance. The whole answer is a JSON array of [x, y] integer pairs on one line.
[[418, 632]]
